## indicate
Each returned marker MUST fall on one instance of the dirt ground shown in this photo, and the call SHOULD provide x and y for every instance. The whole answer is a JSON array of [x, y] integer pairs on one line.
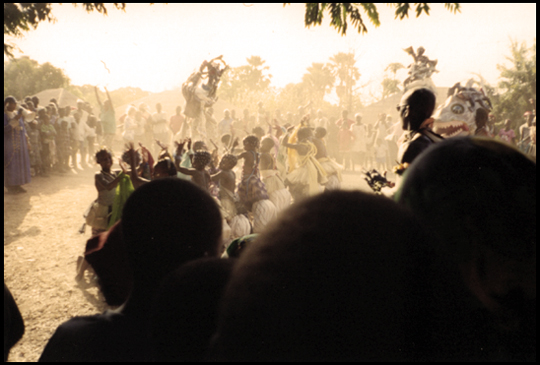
[[41, 246]]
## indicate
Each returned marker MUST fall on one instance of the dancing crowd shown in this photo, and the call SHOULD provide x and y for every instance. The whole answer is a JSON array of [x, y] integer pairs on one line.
[[280, 264]]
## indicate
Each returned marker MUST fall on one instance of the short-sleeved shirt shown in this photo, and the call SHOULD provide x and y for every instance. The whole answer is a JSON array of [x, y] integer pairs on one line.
[[360, 135]]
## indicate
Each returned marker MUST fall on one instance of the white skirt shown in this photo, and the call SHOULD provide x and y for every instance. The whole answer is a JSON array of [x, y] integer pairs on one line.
[[264, 212]]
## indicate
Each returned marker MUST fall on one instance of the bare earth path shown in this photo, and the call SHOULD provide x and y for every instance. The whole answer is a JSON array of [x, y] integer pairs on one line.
[[41, 246]]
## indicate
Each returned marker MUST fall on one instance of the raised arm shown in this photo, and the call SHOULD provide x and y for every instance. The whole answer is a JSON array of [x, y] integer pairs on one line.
[[300, 148], [97, 96], [186, 171], [109, 97]]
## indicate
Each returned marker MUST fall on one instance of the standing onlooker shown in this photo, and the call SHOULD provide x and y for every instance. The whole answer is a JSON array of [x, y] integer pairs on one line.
[[63, 145], [78, 139], [344, 119], [34, 137], [16, 158], [381, 149], [108, 119], [160, 128], [48, 144], [91, 124], [345, 143], [359, 133], [145, 122], [177, 122], [130, 125], [481, 119], [507, 134], [224, 127], [525, 133]]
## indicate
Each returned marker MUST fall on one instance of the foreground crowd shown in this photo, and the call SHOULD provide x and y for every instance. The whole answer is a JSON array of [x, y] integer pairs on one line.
[[446, 270]]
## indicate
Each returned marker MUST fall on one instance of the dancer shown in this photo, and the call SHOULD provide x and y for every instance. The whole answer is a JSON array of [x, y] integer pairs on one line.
[[331, 167], [198, 173], [278, 193], [251, 189], [226, 180], [307, 173]]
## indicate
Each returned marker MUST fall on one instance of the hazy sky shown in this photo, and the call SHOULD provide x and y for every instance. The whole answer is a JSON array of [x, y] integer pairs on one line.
[[157, 47]]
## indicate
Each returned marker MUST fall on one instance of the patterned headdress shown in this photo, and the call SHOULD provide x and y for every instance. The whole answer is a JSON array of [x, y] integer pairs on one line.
[[229, 159], [203, 157]]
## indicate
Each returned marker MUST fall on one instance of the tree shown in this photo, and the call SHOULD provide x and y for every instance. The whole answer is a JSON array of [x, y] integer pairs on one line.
[[245, 82], [25, 77], [391, 85], [343, 13], [21, 17], [343, 68], [518, 83], [318, 81]]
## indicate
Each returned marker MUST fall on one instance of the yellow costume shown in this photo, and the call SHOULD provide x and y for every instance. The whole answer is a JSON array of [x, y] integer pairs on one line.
[[308, 171]]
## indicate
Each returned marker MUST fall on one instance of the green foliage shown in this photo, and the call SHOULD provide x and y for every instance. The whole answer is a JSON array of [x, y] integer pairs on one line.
[[517, 85], [318, 81], [246, 85], [343, 13], [25, 77], [245, 82], [390, 87], [22, 17], [344, 69]]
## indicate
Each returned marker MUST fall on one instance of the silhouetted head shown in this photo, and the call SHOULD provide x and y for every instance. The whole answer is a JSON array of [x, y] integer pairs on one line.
[[340, 276], [184, 313], [201, 159], [164, 168], [251, 142], [478, 196], [481, 118], [267, 144], [304, 133], [10, 103], [415, 107], [228, 162], [320, 132], [166, 223]]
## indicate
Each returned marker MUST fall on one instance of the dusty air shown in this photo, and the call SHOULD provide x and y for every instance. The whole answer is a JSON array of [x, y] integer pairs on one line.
[[269, 182]]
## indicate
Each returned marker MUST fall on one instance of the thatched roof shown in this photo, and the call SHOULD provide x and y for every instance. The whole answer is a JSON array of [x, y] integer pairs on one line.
[[63, 97], [388, 106]]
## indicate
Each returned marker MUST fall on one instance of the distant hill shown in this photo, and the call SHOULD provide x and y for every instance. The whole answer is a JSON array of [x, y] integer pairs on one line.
[[170, 99]]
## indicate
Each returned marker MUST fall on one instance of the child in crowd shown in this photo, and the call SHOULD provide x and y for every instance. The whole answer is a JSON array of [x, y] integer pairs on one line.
[[380, 154], [34, 136], [226, 180], [91, 124], [331, 167], [63, 146], [48, 137], [198, 173], [277, 192], [251, 189]]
